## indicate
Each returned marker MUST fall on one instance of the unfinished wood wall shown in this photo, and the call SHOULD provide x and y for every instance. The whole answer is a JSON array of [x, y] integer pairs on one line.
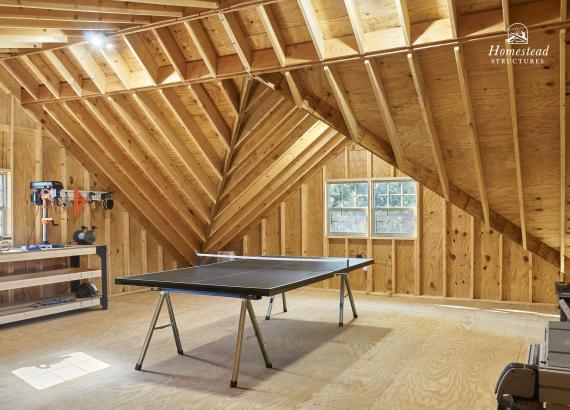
[[454, 256], [32, 155]]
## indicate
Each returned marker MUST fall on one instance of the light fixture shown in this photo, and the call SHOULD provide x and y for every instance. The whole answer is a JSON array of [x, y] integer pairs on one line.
[[99, 40]]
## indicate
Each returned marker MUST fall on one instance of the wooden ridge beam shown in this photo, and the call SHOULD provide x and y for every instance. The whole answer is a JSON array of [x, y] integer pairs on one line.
[[123, 106], [457, 196], [516, 148], [212, 114], [203, 45], [308, 165], [107, 145], [453, 18], [131, 145], [342, 100], [89, 65], [356, 23], [384, 107], [429, 123], [272, 30], [237, 37], [472, 131], [194, 131], [124, 185], [162, 124], [312, 22]]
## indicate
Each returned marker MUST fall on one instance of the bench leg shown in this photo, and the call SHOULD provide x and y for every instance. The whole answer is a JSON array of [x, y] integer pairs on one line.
[[258, 334], [237, 354]]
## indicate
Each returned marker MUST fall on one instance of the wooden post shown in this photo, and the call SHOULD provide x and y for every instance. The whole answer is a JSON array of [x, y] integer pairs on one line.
[[263, 227], [501, 266], [282, 210], [144, 251], [304, 210], [418, 241], [444, 246]]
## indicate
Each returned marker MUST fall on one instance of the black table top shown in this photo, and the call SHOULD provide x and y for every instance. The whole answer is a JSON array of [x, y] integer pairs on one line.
[[248, 277]]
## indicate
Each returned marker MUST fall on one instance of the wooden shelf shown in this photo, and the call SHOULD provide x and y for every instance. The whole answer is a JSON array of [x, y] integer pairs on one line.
[[24, 311], [26, 280], [21, 255]]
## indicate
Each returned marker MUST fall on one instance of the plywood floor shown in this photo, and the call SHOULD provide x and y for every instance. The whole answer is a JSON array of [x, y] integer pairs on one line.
[[400, 354]]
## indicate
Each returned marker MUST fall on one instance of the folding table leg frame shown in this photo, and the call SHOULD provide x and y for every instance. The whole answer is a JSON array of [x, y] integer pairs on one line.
[[270, 305], [164, 296], [344, 281], [246, 305]]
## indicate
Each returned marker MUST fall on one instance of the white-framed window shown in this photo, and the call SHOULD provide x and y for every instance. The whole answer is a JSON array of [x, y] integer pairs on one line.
[[347, 208], [394, 208], [5, 206]]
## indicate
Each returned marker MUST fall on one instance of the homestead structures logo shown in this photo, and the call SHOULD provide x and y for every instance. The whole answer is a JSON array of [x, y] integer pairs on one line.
[[513, 53]]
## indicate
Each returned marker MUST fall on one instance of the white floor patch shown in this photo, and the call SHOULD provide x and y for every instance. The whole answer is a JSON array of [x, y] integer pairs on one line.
[[72, 366]]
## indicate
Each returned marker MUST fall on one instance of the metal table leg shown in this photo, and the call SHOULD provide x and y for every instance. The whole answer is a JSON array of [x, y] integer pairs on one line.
[[173, 324], [237, 354], [151, 329], [269, 307], [354, 314], [258, 334], [284, 302], [341, 307]]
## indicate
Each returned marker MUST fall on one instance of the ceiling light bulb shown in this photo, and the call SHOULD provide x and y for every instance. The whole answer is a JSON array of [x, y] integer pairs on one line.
[[109, 45], [96, 39]]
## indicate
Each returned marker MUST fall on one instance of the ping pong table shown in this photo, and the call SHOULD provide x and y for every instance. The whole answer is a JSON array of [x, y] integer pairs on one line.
[[246, 278]]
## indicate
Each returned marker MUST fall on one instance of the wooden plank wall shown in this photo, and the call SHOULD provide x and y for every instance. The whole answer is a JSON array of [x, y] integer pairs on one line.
[[454, 256], [31, 154]]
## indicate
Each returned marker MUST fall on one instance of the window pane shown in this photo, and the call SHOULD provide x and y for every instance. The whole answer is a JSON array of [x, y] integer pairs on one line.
[[395, 201], [381, 187], [348, 195], [395, 187], [347, 221], [409, 187], [409, 201], [381, 201], [394, 222]]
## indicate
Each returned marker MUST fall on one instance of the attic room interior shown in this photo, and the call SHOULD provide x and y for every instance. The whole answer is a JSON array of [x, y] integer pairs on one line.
[[284, 204]]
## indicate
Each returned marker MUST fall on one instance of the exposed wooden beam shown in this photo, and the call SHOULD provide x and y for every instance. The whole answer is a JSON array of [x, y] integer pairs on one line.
[[312, 22], [118, 65], [404, 16], [89, 65], [22, 76], [563, 170], [342, 100], [453, 19], [231, 93], [472, 131], [237, 37], [123, 106], [64, 25], [272, 30], [356, 23], [159, 119], [516, 147], [506, 13], [384, 107], [211, 112], [200, 140], [170, 46], [74, 16], [107, 144], [143, 57], [201, 4], [89, 6], [126, 186], [293, 81], [429, 123], [131, 144], [203, 45], [65, 70], [43, 72]]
